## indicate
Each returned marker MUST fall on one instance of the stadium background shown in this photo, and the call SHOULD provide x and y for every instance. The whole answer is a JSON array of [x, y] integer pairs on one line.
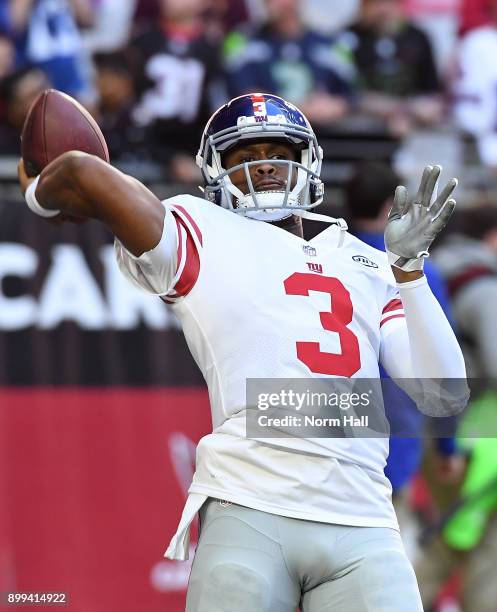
[[101, 404]]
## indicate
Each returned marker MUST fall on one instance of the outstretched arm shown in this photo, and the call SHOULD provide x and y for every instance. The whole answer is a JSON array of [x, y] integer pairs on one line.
[[423, 347], [85, 186]]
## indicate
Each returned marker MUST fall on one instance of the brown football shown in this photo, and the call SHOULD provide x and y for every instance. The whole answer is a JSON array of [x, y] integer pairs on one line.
[[55, 124]]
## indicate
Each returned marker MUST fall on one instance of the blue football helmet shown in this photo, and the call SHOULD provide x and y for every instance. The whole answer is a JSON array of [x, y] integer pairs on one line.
[[266, 117]]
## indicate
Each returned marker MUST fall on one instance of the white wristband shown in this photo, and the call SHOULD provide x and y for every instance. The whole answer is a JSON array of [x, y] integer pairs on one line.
[[408, 265], [33, 203]]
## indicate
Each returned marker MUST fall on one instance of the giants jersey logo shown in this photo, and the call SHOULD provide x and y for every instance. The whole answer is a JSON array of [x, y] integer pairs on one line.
[[315, 267]]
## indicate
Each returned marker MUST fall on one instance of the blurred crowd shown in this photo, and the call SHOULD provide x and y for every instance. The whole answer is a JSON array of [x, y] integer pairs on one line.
[[153, 71]]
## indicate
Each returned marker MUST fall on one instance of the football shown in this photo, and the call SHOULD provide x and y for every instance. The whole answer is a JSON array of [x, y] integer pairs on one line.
[[55, 124]]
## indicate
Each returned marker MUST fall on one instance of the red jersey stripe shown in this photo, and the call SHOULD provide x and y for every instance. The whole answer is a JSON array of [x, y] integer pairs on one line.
[[191, 269], [179, 251], [192, 222], [394, 304], [396, 316]]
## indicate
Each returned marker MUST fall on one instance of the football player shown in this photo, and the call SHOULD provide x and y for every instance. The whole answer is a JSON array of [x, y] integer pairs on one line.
[[287, 521]]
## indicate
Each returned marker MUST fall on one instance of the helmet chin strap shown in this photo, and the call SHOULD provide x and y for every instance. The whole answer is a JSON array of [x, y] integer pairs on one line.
[[269, 198], [306, 214], [277, 214], [341, 223]]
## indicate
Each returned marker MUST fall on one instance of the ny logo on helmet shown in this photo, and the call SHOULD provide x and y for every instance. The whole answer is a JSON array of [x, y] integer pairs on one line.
[[259, 105]]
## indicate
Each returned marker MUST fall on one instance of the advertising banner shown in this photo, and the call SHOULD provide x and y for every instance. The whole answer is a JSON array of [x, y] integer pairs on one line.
[[92, 485]]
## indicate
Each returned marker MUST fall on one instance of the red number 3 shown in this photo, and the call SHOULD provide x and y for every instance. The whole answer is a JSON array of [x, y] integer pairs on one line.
[[346, 363]]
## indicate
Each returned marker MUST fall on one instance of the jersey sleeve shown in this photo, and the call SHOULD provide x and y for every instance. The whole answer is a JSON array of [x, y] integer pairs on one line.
[[393, 311], [394, 338], [170, 269]]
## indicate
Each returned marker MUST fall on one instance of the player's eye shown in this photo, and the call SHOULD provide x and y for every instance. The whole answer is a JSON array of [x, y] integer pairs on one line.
[[246, 159]]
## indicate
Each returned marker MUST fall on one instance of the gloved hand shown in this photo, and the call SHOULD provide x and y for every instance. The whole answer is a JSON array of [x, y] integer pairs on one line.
[[412, 227]]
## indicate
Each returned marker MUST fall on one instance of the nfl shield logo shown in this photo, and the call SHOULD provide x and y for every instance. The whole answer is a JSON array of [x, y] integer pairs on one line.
[[309, 250]]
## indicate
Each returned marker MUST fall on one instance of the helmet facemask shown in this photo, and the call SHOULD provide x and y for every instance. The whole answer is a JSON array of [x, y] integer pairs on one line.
[[306, 193]]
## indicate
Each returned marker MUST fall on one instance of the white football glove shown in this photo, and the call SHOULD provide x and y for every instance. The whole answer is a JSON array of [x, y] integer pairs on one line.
[[412, 227]]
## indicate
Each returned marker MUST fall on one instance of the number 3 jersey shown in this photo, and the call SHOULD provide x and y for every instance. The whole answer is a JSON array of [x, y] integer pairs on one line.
[[257, 302]]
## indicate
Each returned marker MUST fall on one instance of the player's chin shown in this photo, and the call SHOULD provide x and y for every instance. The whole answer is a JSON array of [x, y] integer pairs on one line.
[[265, 189]]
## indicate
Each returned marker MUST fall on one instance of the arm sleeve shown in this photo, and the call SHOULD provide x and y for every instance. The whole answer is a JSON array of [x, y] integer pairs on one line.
[[422, 347], [170, 269], [425, 335], [439, 289]]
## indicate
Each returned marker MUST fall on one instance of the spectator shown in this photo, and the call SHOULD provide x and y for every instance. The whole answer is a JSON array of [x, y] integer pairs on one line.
[[475, 88], [18, 91], [468, 260], [7, 64], [178, 80], [147, 12], [111, 27], [439, 20], [330, 15], [468, 540], [397, 74], [116, 95], [369, 197], [474, 14], [242, 11], [7, 56], [47, 37], [227, 15], [286, 58]]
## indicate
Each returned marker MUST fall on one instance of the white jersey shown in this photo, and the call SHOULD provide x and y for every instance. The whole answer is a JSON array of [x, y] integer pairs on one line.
[[256, 301]]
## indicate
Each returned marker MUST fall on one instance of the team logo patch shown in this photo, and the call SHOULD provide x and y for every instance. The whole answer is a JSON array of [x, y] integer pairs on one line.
[[365, 261], [315, 267], [309, 250], [259, 106]]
